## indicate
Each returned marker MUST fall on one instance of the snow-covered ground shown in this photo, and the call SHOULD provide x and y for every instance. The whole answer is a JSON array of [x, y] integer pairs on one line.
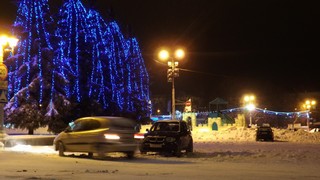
[[230, 153], [242, 134]]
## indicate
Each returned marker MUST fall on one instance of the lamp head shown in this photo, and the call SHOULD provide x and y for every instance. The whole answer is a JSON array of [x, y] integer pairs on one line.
[[13, 42], [164, 55], [3, 40], [179, 54]]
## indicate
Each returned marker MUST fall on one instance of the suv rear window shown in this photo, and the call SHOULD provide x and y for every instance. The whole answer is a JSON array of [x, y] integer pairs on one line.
[[264, 129]]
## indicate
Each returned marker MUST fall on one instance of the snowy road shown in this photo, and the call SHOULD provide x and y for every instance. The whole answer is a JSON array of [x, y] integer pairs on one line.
[[246, 160]]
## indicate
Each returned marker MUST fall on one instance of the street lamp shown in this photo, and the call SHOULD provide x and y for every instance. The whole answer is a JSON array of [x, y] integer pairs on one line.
[[249, 104], [172, 71], [7, 41], [308, 105], [4, 42]]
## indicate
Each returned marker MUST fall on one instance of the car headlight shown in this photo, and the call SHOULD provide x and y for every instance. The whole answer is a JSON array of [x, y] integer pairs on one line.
[[170, 139], [111, 136]]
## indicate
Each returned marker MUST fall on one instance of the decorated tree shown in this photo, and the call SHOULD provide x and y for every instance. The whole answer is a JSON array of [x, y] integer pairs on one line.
[[32, 86], [72, 65], [138, 80]]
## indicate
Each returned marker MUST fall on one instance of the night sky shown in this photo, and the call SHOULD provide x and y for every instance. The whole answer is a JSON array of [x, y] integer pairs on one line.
[[267, 47]]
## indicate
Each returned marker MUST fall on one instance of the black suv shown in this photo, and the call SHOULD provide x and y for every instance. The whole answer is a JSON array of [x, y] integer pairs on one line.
[[264, 133], [168, 137]]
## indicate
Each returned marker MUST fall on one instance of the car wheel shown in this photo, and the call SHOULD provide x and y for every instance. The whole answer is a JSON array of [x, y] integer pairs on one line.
[[130, 154], [101, 154], [168, 154], [61, 149], [178, 152], [100, 151], [143, 152], [190, 147], [90, 154]]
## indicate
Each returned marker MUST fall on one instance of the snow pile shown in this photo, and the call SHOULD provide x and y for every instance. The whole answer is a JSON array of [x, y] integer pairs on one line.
[[299, 136], [204, 134], [243, 134]]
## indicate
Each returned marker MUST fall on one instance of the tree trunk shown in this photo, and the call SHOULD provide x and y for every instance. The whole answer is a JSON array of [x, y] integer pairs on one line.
[[30, 131]]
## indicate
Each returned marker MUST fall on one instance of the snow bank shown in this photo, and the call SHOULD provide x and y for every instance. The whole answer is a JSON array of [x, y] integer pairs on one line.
[[243, 134]]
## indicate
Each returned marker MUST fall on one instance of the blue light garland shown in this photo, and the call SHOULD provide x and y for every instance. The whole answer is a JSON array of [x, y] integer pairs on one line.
[[32, 16], [269, 112], [112, 71]]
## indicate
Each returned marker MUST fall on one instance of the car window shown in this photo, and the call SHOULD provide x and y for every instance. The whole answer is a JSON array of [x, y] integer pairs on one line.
[[158, 127], [90, 125], [183, 127], [165, 126], [264, 129], [76, 126], [120, 123], [71, 126]]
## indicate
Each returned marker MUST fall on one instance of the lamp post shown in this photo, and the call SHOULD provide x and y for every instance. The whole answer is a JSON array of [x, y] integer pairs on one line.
[[172, 72], [308, 105], [249, 103], [4, 42]]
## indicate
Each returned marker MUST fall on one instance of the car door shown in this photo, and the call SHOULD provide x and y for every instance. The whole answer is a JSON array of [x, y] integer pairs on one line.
[[185, 139], [71, 137], [91, 135], [81, 137]]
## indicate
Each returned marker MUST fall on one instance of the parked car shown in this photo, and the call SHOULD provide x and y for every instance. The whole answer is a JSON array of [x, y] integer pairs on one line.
[[167, 137], [264, 133], [100, 134]]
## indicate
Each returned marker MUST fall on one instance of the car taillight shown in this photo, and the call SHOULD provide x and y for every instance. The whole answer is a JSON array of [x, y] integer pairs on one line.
[[170, 139], [111, 136], [138, 136]]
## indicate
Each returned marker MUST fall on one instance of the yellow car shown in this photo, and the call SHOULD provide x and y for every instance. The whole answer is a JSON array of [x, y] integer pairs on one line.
[[100, 134]]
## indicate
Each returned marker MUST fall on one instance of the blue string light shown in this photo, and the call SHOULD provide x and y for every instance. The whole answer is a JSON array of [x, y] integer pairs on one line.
[[269, 112], [114, 74], [140, 79], [31, 18]]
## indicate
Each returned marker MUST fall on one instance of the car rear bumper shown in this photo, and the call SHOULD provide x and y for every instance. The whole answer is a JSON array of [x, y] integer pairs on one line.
[[265, 137]]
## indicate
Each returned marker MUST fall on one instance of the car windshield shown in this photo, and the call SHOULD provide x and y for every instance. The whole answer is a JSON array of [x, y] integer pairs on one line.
[[165, 126]]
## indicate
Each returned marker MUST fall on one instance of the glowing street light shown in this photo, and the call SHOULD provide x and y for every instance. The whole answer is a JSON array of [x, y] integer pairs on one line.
[[249, 104], [173, 71], [307, 106], [5, 41], [250, 107], [249, 98]]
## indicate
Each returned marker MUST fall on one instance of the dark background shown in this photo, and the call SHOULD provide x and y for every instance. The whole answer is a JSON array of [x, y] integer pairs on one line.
[[269, 47]]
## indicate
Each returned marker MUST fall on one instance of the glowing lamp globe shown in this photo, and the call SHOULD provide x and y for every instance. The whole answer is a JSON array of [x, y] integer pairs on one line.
[[163, 55]]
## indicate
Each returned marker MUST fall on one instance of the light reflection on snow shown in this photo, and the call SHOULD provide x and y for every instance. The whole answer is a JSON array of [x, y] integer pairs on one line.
[[32, 149], [203, 129]]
